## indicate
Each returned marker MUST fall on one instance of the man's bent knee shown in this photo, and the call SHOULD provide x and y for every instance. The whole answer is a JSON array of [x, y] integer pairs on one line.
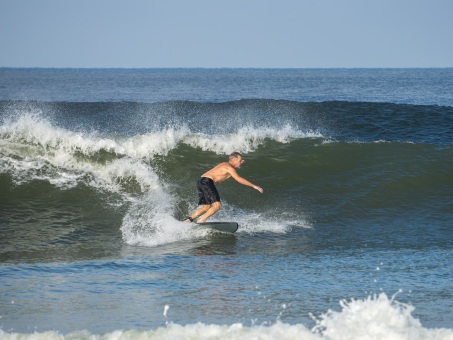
[[216, 205]]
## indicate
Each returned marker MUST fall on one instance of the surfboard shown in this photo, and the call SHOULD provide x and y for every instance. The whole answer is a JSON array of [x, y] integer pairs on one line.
[[228, 227]]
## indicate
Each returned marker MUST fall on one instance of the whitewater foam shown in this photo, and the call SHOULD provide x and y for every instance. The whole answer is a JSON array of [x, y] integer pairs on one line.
[[251, 222], [34, 149], [247, 139], [31, 129], [150, 222], [375, 317]]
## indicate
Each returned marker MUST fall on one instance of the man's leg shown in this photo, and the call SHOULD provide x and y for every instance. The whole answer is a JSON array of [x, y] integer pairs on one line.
[[212, 209], [204, 208]]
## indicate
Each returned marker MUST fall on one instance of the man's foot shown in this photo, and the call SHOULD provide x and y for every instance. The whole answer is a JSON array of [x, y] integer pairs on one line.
[[188, 219]]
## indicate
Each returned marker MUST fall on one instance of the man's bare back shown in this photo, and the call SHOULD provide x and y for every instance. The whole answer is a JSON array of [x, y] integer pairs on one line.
[[219, 173]]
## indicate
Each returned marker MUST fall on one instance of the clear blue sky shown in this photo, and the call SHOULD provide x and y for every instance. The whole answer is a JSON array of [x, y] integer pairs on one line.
[[228, 33]]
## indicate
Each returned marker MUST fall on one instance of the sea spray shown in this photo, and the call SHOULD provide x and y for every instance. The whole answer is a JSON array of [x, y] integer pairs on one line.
[[246, 139], [375, 317], [33, 133], [149, 221]]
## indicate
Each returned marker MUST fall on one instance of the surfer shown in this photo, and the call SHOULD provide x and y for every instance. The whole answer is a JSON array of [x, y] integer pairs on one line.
[[209, 198]]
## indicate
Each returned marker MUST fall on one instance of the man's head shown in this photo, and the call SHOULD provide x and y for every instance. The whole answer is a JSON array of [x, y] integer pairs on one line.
[[236, 159]]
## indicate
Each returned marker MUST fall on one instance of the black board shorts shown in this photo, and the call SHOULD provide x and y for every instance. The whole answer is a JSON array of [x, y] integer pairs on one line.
[[207, 192]]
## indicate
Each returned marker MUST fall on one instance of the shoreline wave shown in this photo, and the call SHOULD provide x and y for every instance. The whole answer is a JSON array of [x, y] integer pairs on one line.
[[374, 317]]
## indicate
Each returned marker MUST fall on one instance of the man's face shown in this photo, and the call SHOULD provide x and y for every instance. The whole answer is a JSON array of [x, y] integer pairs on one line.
[[238, 161]]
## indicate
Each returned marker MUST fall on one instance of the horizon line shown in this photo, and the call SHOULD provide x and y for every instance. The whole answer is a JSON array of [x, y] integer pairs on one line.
[[227, 68]]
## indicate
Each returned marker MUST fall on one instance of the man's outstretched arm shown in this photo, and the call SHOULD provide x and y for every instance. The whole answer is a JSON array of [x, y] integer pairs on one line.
[[243, 181]]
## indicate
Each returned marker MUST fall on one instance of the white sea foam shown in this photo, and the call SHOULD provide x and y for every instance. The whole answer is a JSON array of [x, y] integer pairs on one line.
[[150, 222], [31, 130], [254, 222], [34, 149], [246, 139], [377, 317]]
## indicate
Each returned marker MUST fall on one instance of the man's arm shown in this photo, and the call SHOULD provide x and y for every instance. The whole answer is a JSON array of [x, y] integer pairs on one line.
[[243, 181]]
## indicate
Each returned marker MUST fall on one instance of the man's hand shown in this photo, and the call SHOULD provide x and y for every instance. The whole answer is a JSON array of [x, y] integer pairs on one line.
[[258, 188]]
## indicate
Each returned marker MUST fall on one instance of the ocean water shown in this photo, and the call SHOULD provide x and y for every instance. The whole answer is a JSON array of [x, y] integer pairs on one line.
[[351, 239]]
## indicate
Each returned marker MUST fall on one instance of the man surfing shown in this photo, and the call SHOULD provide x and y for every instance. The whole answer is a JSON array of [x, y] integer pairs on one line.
[[209, 198]]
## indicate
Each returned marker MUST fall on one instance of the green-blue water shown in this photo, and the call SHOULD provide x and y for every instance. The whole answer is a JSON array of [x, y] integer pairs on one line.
[[98, 168]]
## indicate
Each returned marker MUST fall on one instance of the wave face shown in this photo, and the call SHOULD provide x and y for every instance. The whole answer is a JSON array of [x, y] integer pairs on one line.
[[325, 162]]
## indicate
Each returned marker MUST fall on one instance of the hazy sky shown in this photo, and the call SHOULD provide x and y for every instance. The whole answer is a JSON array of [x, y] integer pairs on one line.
[[229, 33]]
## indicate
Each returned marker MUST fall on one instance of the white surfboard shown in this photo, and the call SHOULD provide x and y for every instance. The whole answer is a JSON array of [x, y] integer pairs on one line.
[[228, 227]]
